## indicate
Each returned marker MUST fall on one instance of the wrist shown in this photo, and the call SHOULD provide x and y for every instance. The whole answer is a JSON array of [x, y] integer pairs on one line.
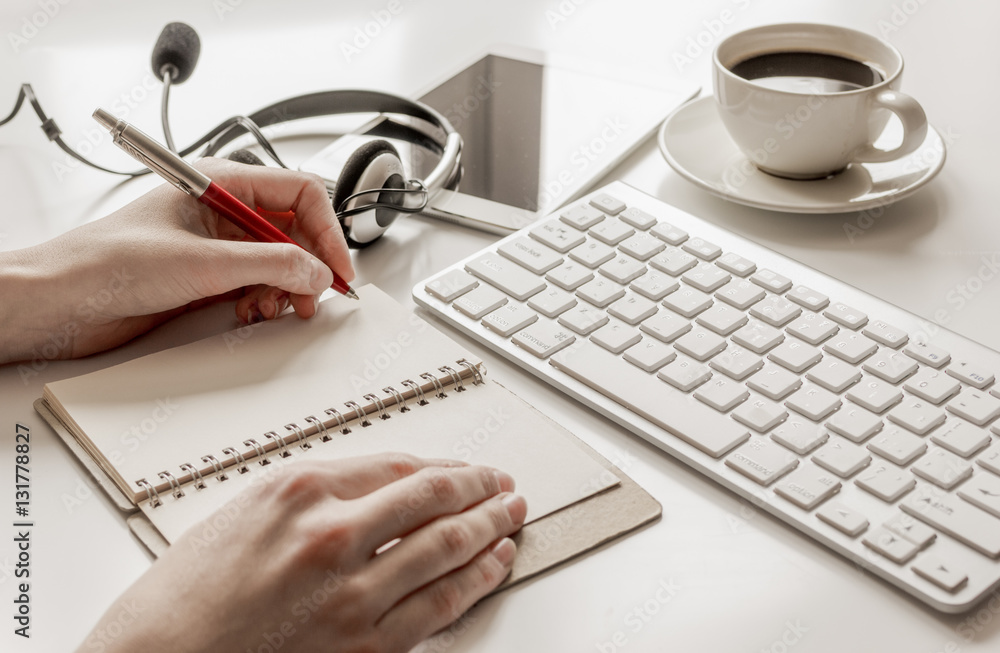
[[27, 330]]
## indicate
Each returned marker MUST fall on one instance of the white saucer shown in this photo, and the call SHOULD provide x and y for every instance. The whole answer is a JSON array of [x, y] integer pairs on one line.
[[695, 143]]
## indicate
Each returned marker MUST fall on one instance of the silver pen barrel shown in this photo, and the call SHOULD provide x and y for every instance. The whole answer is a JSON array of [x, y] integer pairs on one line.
[[153, 155]]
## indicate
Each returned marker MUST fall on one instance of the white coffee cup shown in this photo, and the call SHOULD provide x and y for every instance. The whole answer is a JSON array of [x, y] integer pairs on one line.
[[806, 108]]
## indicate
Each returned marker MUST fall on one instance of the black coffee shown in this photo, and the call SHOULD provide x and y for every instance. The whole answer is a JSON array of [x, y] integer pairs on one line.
[[807, 72]]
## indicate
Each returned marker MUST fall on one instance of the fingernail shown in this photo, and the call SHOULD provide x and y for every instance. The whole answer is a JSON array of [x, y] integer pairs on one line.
[[516, 507], [504, 551], [504, 480], [315, 303]]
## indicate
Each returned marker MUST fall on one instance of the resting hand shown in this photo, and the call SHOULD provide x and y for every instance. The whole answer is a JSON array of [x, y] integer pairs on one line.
[[292, 565], [113, 279]]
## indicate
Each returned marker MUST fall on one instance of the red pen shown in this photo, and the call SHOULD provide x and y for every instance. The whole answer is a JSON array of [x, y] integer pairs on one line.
[[195, 183]]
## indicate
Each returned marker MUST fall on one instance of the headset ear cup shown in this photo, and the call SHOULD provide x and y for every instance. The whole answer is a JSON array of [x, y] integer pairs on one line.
[[351, 174]]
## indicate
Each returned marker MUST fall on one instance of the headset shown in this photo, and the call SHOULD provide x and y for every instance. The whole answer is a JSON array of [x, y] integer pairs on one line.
[[374, 169]]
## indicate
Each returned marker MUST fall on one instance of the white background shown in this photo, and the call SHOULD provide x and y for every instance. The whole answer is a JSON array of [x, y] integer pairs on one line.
[[742, 580]]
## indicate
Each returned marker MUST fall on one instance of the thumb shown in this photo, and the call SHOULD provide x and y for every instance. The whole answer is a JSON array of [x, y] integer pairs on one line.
[[237, 264]]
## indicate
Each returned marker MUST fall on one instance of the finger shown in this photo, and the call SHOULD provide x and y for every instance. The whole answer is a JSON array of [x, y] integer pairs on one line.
[[277, 190], [234, 265], [440, 603], [350, 478], [401, 508]]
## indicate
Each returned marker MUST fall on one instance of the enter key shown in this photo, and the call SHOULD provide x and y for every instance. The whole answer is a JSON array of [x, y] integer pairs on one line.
[[963, 521]]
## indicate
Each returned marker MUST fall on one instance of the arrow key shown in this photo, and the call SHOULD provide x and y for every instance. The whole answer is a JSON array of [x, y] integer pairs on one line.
[[844, 519], [891, 545], [983, 491], [941, 573]]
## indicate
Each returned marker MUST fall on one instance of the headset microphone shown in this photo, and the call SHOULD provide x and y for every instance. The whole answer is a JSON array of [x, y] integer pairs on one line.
[[176, 52], [245, 157]]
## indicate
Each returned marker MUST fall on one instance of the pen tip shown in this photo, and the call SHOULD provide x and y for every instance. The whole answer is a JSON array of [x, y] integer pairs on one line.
[[351, 294]]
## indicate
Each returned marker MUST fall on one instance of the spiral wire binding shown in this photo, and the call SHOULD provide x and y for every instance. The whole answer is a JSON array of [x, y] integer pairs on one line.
[[260, 452]]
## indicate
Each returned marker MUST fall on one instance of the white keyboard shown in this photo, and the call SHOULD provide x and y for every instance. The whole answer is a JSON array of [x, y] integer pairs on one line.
[[871, 431]]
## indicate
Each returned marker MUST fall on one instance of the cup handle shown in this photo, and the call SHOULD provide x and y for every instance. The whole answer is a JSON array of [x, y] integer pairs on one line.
[[911, 114]]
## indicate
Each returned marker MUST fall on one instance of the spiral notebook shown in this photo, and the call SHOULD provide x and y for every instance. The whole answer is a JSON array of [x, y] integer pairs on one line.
[[175, 435]]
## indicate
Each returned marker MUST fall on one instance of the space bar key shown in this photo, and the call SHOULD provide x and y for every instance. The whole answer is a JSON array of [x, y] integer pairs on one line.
[[661, 404]]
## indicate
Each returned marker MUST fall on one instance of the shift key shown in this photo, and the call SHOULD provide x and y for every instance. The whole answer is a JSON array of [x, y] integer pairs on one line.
[[964, 522], [505, 275]]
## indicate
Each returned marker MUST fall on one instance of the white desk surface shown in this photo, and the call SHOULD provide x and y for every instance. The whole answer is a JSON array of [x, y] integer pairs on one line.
[[740, 580]]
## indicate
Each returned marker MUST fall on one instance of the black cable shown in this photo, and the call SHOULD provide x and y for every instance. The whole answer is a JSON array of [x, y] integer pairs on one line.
[[168, 138]]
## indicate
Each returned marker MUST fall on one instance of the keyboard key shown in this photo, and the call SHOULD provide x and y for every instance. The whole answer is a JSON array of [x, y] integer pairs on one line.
[[941, 572], [632, 309], [552, 302], [557, 236], [692, 422], [623, 269], [886, 334], [505, 275], [932, 385], [655, 285], [887, 482], [673, 261], [990, 459], [762, 461], [851, 347], [813, 328], [917, 415], [772, 281], [964, 522], [976, 406], [891, 545], [611, 231], [736, 264], [669, 233], [912, 529], [841, 457], [834, 375], [983, 490], [592, 253], [583, 319], [600, 292], [722, 319], [642, 246], [845, 315], [607, 203], [543, 338], [688, 302], [891, 366], [808, 486], [942, 468], [666, 326], [722, 394], [581, 216], [740, 293], [706, 277], [758, 337], [962, 438], [450, 285], [570, 275], [702, 249], [898, 446], [760, 414], [800, 436], [977, 377], [807, 297], [875, 394], [776, 310], [795, 355], [846, 520], [813, 402], [700, 344], [685, 374], [530, 254], [649, 354], [927, 354], [774, 382], [478, 302], [509, 319], [637, 218], [616, 336], [737, 363], [855, 423]]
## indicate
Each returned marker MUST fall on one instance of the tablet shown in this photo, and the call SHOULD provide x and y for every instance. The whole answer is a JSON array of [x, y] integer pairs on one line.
[[537, 132]]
